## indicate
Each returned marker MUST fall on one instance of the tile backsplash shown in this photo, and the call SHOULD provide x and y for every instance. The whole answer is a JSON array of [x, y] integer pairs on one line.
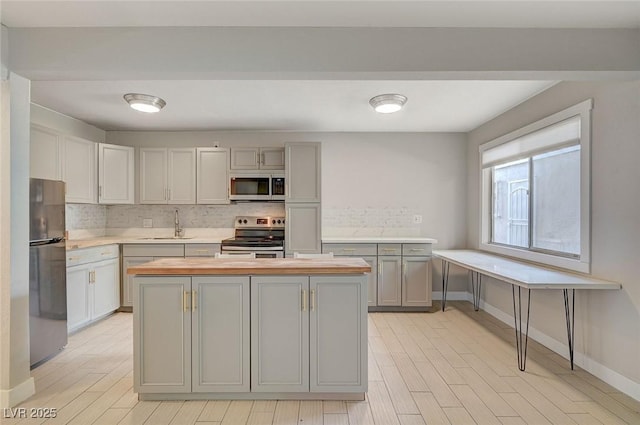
[[101, 217], [369, 221]]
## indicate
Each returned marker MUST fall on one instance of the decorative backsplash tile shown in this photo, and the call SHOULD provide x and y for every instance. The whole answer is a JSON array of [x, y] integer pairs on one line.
[[85, 216], [213, 216], [369, 217]]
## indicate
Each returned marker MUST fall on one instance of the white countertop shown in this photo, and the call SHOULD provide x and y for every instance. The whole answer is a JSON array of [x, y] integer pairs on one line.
[[378, 239], [152, 236], [522, 274]]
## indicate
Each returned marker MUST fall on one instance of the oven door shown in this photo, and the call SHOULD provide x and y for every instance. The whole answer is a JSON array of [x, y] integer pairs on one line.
[[250, 188], [271, 252]]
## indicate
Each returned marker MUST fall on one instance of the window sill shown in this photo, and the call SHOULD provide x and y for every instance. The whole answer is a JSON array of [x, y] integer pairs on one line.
[[538, 257]]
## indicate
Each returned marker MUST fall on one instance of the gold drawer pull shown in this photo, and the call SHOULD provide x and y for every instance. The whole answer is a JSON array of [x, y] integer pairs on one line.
[[202, 250], [73, 258], [106, 253], [304, 300], [417, 249], [389, 249], [313, 299], [348, 249]]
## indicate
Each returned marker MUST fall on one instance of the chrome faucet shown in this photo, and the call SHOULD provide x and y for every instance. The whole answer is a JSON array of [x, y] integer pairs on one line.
[[178, 231]]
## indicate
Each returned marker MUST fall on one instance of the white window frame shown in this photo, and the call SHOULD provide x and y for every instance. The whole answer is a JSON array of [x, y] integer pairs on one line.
[[583, 262]]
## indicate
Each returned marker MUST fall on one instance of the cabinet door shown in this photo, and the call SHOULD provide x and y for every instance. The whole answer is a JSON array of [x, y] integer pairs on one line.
[[162, 334], [338, 334], [416, 281], [213, 176], [44, 151], [78, 313], [245, 158], [220, 334], [106, 287], [181, 176], [302, 165], [272, 158], [279, 334], [153, 176], [115, 174], [389, 280], [302, 232], [80, 162], [127, 279], [372, 281]]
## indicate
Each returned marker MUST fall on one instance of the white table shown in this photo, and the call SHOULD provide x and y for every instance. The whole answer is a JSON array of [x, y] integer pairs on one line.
[[521, 276]]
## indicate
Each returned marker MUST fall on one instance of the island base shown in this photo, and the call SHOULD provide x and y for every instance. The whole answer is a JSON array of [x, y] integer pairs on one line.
[[251, 396]]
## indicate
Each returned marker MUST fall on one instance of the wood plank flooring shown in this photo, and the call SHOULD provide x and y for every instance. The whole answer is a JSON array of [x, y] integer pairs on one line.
[[457, 367]]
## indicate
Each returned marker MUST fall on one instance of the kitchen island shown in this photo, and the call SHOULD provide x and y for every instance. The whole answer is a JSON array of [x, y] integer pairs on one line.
[[250, 329]]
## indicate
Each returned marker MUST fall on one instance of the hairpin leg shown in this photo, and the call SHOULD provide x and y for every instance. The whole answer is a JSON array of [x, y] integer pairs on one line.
[[476, 286], [522, 337], [445, 282], [569, 313]]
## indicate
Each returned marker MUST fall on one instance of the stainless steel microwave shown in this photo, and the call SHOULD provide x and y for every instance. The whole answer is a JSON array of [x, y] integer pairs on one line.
[[256, 186]]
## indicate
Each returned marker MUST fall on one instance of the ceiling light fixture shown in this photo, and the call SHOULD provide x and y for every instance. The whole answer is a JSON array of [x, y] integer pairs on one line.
[[144, 102], [388, 103]]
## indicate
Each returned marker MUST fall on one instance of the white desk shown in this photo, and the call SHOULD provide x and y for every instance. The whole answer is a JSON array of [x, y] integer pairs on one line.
[[521, 276]]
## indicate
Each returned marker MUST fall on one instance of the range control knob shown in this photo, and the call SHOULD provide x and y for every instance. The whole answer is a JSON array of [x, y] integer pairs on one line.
[[244, 221], [273, 222], [283, 221], [240, 221], [279, 221]]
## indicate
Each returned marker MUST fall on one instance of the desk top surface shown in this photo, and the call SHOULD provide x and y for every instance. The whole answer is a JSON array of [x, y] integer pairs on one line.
[[523, 274]]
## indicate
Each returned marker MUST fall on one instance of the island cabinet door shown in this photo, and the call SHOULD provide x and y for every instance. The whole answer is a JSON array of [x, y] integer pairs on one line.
[[280, 334], [220, 333], [338, 333], [162, 334]]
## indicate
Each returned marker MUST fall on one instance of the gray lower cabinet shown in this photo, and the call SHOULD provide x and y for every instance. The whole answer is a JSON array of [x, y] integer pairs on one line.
[[400, 273], [135, 254], [308, 334], [93, 287], [416, 281], [389, 280], [279, 334], [191, 334], [220, 334]]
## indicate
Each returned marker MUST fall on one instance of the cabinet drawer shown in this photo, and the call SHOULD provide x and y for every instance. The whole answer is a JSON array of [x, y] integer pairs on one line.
[[416, 249], [201, 249], [153, 250], [89, 255], [355, 249], [389, 249]]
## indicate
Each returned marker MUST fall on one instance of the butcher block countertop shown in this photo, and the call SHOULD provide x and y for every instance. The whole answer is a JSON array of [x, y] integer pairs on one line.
[[251, 266]]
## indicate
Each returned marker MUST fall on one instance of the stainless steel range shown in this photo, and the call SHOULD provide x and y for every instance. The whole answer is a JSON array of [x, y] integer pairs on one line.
[[262, 235]]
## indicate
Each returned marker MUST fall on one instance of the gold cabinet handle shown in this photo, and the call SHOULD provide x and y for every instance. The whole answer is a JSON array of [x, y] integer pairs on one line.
[[105, 253], [348, 249], [194, 299], [304, 300], [389, 249], [417, 249], [313, 299], [202, 251], [73, 258], [380, 268], [404, 270], [185, 294]]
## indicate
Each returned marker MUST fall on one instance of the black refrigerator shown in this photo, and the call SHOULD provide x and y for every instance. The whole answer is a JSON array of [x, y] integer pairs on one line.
[[47, 269]]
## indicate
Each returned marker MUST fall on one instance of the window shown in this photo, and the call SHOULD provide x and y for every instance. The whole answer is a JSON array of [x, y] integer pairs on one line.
[[535, 191]]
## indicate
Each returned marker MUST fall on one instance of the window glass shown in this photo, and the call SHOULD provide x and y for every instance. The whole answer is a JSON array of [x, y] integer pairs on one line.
[[556, 201], [511, 204]]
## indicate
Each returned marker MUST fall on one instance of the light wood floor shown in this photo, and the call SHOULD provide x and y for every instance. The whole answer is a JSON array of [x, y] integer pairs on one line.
[[457, 367]]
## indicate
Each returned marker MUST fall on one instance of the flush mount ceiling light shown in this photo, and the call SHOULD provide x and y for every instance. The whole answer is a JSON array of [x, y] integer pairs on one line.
[[388, 103], [144, 102]]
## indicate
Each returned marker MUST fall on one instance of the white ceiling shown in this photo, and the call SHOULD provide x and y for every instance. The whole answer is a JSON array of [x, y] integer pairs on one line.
[[443, 106]]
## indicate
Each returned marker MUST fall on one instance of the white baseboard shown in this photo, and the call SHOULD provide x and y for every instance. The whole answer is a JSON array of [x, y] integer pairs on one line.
[[452, 295], [611, 377], [17, 394]]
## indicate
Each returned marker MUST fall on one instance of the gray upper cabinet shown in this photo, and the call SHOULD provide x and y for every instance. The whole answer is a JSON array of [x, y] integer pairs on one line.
[[253, 158], [220, 333], [303, 228], [45, 148], [115, 174], [338, 334], [302, 166], [167, 176], [79, 170], [279, 334], [212, 181]]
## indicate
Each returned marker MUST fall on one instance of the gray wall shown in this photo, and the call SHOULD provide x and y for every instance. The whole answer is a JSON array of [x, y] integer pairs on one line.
[[607, 322]]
